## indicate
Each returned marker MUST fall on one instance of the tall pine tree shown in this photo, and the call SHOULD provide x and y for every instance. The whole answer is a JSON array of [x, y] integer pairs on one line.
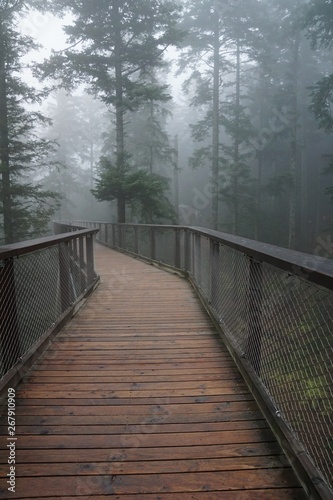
[[113, 42], [25, 207], [220, 39]]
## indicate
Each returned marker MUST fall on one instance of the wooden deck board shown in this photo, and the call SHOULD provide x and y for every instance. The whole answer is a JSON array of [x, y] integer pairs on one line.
[[137, 398]]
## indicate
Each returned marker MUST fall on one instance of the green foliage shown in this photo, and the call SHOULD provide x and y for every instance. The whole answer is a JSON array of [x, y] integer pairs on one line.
[[147, 139], [115, 46], [201, 158], [316, 393], [329, 192], [140, 189], [216, 50], [25, 207], [133, 34], [322, 100], [279, 185], [318, 20]]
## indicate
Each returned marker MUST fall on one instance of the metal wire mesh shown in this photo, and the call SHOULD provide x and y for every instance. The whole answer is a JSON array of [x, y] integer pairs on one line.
[[296, 359], [202, 270], [230, 275], [35, 289], [283, 325], [144, 241], [165, 246]]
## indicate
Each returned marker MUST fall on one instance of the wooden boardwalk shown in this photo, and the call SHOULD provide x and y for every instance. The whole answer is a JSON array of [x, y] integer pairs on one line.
[[138, 399]]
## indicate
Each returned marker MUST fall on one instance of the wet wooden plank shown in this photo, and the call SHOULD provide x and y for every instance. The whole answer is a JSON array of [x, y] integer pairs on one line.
[[134, 386], [146, 440], [138, 398], [125, 377], [105, 429], [178, 418], [119, 484], [135, 454], [226, 399], [266, 494], [149, 467], [156, 407], [103, 392]]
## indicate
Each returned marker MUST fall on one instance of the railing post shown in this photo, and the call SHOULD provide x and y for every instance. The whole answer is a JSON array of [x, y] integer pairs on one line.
[[214, 273], [64, 273], [83, 280], [120, 236], [90, 258], [197, 258], [187, 251], [75, 250], [123, 237], [253, 347], [106, 233], [114, 242], [152, 244], [9, 331], [136, 240], [177, 249]]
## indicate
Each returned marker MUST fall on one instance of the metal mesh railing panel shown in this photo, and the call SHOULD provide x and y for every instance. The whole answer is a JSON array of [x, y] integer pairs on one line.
[[203, 271], [129, 237], [144, 241], [111, 235], [283, 325], [182, 249], [35, 289], [37, 294], [230, 276], [296, 359], [165, 246]]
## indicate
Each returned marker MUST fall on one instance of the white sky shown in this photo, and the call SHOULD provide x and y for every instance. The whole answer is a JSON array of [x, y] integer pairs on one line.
[[46, 30]]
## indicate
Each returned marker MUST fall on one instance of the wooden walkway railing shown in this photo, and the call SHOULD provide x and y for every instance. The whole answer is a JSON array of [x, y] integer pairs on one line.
[[137, 398]]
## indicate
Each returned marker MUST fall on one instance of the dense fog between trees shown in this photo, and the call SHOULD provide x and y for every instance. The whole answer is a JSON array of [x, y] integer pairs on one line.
[[213, 113]]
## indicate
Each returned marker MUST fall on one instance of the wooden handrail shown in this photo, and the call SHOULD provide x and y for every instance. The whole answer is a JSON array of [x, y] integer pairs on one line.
[[312, 268], [25, 247]]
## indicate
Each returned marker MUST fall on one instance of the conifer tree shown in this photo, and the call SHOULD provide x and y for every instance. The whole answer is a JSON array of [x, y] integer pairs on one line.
[[318, 21], [25, 207], [221, 38], [112, 44]]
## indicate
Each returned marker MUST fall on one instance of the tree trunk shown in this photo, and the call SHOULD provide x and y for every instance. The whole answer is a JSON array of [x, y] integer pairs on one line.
[[303, 216], [176, 178], [237, 140], [293, 143], [263, 92], [121, 206], [151, 147], [120, 151], [4, 148], [216, 120]]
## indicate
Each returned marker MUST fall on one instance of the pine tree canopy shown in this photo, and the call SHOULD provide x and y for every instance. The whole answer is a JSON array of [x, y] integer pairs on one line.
[[25, 207], [133, 35], [137, 188], [319, 24]]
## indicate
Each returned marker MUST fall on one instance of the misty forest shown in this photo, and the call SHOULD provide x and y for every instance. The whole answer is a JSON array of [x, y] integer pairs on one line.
[[211, 113]]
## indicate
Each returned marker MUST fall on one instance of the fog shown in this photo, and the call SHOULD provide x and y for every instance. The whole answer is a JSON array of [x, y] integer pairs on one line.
[[234, 120]]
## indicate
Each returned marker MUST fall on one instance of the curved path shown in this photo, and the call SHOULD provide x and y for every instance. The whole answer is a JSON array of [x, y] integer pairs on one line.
[[138, 399]]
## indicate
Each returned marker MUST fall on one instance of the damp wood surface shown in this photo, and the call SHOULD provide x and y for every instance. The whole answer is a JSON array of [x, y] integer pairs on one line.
[[137, 398]]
